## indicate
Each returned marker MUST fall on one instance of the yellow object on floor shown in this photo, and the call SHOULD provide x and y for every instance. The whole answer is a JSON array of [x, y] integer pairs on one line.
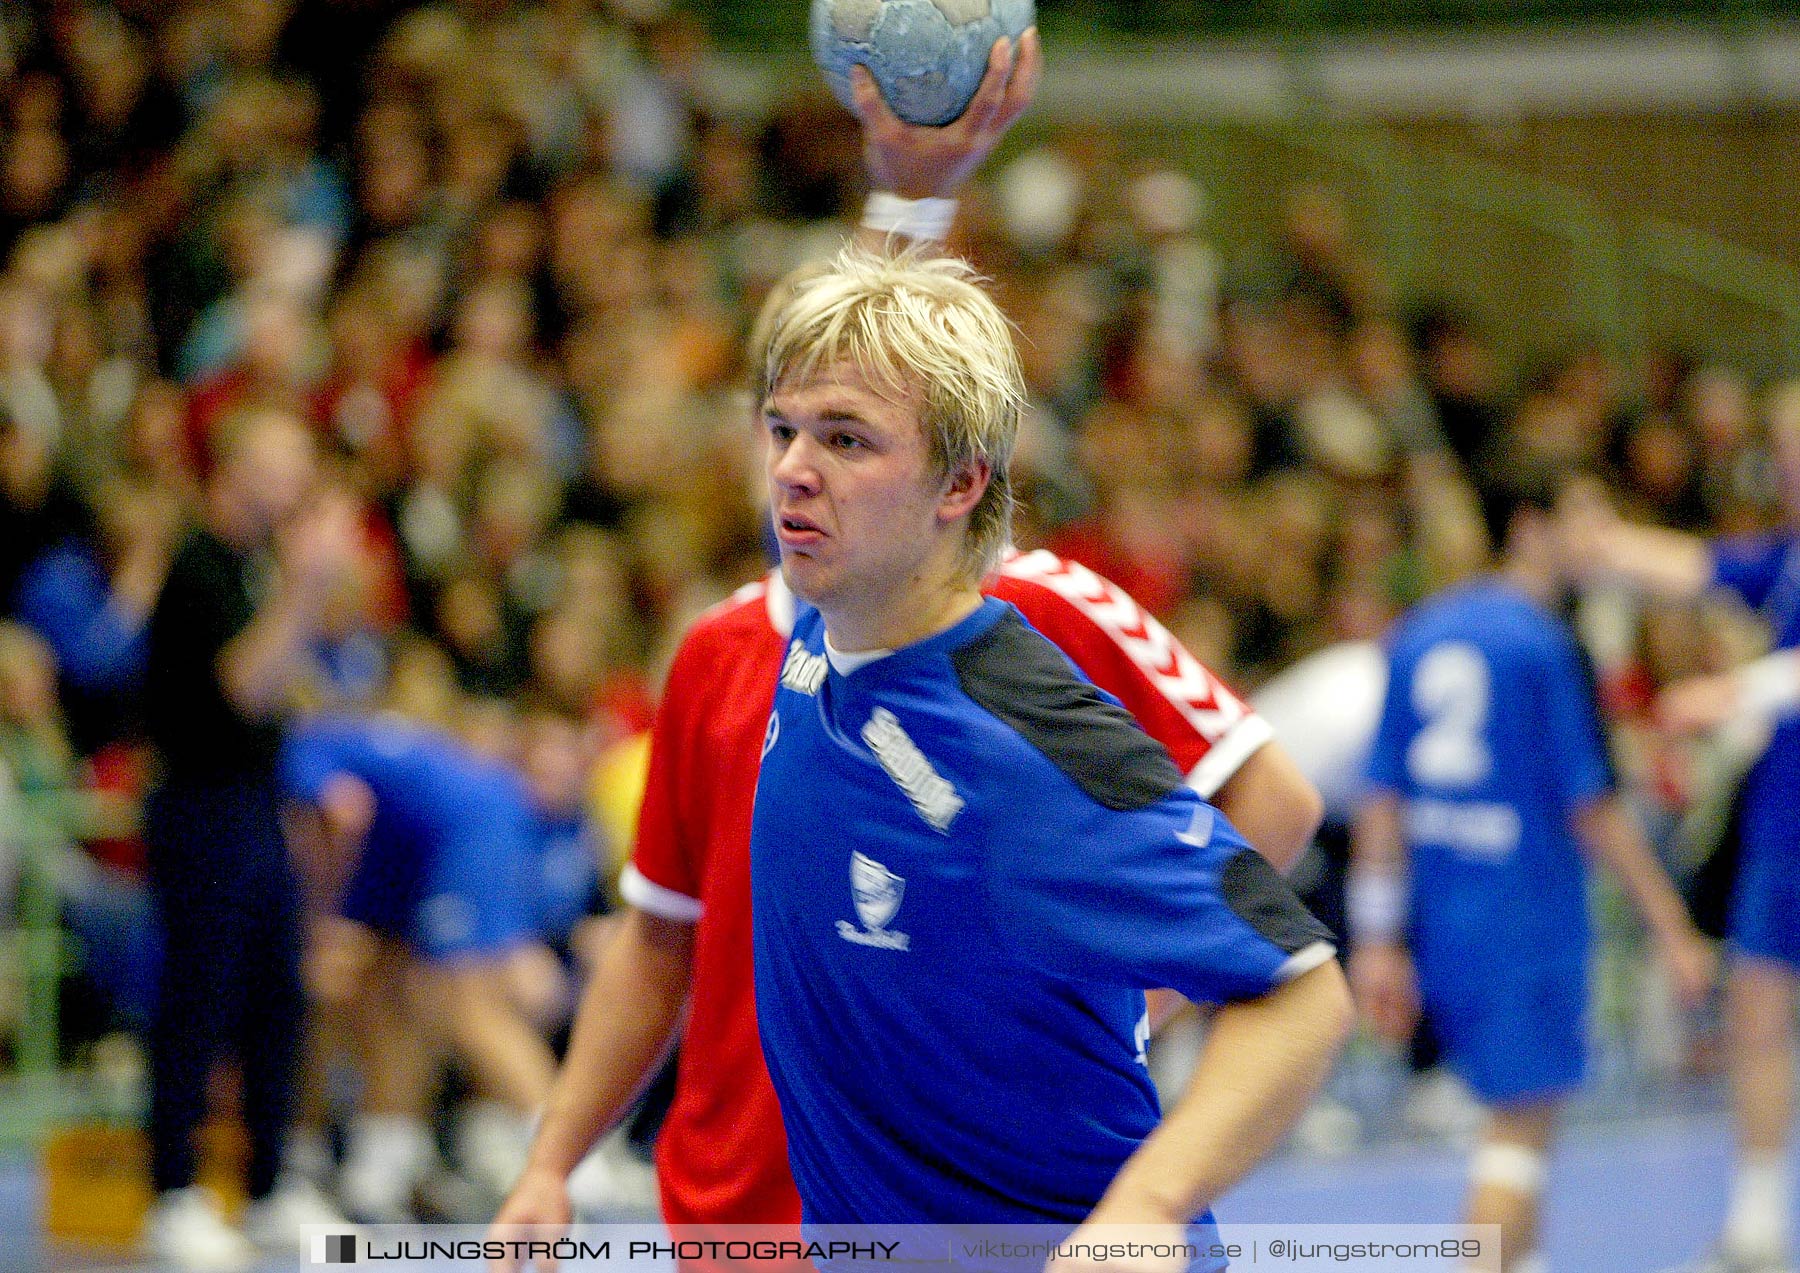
[[97, 1180]]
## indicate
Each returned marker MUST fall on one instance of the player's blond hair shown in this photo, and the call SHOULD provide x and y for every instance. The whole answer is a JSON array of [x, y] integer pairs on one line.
[[920, 324]]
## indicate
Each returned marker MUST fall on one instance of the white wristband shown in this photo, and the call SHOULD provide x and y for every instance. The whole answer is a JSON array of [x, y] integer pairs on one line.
[[921, 219], [1375, 905], [1769, 686]]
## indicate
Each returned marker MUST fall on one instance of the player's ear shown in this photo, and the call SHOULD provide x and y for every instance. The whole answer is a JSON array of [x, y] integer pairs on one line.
[[964, 485]]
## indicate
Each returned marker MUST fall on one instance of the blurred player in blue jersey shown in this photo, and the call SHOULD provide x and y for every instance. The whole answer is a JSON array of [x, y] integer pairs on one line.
[[572, 860], [433, 848], [1763, 934], [1468, 891], [967, 864]]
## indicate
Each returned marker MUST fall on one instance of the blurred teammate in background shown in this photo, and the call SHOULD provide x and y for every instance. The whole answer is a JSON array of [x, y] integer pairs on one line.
[[429, 863], [245, 593], [1763, 934], [1488, 777], [1326, 708], [722, 1154]]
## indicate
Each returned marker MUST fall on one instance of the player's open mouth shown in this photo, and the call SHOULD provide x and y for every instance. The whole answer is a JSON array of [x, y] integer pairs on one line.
[[797, 531]]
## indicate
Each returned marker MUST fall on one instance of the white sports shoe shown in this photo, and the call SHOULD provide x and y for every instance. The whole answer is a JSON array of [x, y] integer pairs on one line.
[[185, 1231], [1441, 1107], [612, 1179], [387, 1159], [284, 1220], [374, 1196], [491, 1146], [1328, 1129], [1723, 1260]]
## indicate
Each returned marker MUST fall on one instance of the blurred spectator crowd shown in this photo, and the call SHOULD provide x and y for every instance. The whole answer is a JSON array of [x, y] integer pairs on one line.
[[503, 257]]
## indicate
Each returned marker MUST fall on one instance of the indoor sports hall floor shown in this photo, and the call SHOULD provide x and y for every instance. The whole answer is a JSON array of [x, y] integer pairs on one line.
[[1631, 1197]]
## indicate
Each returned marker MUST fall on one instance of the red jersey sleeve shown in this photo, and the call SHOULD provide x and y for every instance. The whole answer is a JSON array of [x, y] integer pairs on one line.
[[1208, 730], [666, 866], [704, 750]]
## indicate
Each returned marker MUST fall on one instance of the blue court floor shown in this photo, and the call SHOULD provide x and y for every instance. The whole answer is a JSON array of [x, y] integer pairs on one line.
[[1622, 1198]]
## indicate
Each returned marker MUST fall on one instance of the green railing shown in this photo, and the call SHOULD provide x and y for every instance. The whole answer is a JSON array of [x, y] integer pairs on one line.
[[749, 22], [35, 829], [1725, 270], [1541, 262], [36, 951], [1624, 277]]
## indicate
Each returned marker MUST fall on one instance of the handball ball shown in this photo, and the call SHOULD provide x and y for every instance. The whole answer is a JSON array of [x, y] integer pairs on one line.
[[927, 56]]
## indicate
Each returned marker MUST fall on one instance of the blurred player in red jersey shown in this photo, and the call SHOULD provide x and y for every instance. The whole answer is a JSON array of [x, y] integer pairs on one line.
[[685, 942]]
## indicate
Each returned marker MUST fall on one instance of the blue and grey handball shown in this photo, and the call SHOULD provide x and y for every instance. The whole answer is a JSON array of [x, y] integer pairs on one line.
[[927, 56]]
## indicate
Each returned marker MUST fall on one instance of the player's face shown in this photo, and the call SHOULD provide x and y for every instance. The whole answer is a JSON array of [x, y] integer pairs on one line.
[[860, 511]]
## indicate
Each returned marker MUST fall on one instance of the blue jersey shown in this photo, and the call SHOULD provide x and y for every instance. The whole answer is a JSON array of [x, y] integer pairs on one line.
[[1491, 739], [967, 864], [1765, 572], [448, 862], [569, 887]]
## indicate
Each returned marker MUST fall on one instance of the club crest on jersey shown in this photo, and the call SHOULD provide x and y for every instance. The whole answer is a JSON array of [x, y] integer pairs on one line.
[[933, 796], [803, 673], [877, 893]]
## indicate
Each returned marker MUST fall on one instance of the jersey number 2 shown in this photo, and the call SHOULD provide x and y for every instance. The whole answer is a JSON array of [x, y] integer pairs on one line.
[[1450, 693]]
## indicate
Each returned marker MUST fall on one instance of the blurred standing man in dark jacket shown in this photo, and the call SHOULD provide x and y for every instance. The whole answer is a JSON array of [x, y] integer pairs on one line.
[[227, 644]]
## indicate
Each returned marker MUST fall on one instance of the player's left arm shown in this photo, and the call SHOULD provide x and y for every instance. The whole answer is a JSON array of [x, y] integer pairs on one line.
[[1375, 902], [1611, 836], [1575, 735], [1272, 804], [1376, 889], [1265, 1059]]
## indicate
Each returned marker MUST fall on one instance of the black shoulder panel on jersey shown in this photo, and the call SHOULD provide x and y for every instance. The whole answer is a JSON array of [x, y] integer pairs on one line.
[[1259, 896], [1016, 674]]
